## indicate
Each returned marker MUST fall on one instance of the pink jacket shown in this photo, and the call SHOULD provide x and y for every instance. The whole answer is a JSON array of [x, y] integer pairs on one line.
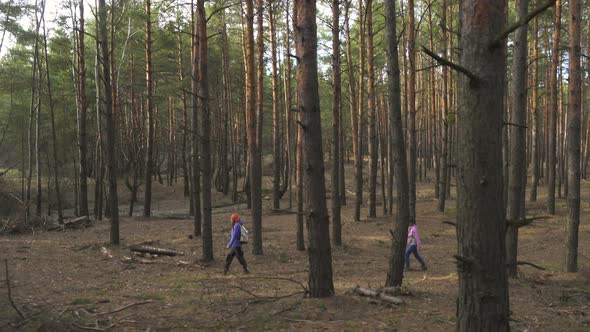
[[413, 232]]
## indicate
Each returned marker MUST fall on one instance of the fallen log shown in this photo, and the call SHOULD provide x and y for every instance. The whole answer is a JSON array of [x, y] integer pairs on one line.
[[155, 250], [379, 293], [75, 223]]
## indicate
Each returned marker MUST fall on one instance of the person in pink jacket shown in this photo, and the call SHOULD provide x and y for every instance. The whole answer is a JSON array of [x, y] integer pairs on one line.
[[414, 244]]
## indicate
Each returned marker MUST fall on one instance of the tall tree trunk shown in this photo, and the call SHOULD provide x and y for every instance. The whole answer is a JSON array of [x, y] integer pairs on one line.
[[228, 117], [256, 164], [481, 225], [552, 128], [399, 232], [517, 168], [99, 160], [110, 124], [574, 111], [82, 105], [53, 130], [39, 185], [536, 113], [373, 143], [205, 132], [185, 160], [32, 146], [352, 102], [149, 158], [276, 133], [445, 178], [433, 106], [316, 212], [358, 157], [412, 110], [196, 169], [288, 124], [252, 119], [336, 110]]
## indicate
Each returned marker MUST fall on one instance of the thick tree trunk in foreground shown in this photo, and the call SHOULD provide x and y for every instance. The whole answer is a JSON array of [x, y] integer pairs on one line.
[[482, 303], [517, 167], [336, 110], [205, 132], [110, 124], [316, 213], [574, 116], [399, 230]]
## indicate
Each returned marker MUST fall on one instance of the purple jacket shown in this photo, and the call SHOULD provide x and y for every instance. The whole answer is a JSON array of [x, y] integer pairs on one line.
[[236, 234], [413, 233]]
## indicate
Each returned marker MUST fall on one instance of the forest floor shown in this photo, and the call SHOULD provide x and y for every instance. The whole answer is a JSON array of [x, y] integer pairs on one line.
[[76, 281]]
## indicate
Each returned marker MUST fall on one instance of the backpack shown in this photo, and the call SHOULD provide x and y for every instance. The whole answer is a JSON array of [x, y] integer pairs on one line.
[[243, 234]]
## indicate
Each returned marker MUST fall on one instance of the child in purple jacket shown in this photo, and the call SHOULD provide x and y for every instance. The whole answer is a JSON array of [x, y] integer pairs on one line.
[[235, 245], [414, 244]]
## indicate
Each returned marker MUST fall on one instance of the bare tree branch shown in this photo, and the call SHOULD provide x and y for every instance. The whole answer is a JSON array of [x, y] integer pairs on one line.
[[520, 23], [445, 62]]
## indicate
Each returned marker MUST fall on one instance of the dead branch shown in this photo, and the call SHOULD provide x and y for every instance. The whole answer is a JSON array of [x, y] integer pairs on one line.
[[124, 307], [449, 223], [91, 328], [531, 264], [515, 125], [377, 294], [10, 300], [520, 23], [523, 222], [223, 318], [474, 79], [274, 278], [7, 170], [155, 250]]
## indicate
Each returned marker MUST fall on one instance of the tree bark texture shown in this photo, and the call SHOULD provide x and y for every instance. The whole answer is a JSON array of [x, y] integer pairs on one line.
[[336, 115], [316, 212], [110, 125], [149, 157], [517, 166], [401, 221], [574, 117], [205, 132], [482, 303], [552, 128]]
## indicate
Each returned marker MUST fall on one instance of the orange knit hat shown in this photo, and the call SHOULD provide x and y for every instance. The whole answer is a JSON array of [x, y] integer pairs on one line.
[[235, 217]]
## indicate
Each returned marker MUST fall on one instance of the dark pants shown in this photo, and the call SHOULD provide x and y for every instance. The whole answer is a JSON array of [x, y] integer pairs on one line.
[[413, 249], [235, 251]]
